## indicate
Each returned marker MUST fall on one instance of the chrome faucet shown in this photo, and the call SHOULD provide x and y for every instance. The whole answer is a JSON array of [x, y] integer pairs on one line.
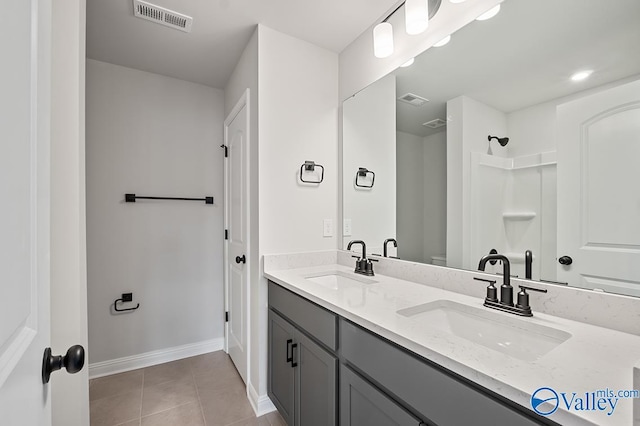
[[506, 291], [384, 246], [506, 304], [363, 265], [528, 260]]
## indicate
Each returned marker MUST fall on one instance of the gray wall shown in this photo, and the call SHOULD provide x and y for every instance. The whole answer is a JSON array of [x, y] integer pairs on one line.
[[152, 135], [421, 196]]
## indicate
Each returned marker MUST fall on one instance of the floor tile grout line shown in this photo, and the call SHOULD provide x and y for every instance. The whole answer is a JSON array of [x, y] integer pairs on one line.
[[169, 409], [141, 398], [204, 420]]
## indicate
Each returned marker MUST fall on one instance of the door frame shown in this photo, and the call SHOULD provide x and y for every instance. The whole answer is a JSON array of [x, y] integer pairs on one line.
[[243, 102]]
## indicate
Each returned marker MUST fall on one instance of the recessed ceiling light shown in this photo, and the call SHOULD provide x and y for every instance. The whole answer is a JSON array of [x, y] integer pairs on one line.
[[408, 63], [581, 75], [489, 14], [442, 42]]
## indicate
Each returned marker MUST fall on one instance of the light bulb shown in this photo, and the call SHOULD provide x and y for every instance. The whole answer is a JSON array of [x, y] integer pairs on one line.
[[408, 63], [383, 40], [489, 14], [581, 75], [416, 14], [442, 42]]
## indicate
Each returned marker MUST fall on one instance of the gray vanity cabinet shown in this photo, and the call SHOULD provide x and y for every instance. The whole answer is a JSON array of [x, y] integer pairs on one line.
[[363, 404], [302, 370]]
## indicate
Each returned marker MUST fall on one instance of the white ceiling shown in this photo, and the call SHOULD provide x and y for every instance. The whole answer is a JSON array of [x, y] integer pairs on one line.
[[221, 30], [524, 56]]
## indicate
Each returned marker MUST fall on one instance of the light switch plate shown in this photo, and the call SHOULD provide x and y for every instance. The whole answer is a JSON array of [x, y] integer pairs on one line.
[[346, 227], [327, 228]]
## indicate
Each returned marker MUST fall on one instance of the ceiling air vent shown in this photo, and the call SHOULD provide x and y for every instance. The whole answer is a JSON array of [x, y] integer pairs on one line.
[[162, 16], [412, 99], [434, 124]]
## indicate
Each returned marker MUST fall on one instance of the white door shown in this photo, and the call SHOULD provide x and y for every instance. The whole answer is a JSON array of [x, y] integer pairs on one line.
[[24, 218], [599, 190], [236, 136]]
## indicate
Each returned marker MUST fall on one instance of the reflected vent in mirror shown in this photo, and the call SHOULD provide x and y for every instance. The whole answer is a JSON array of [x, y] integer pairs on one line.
[[412, 99], [434, 124], [162, 16]]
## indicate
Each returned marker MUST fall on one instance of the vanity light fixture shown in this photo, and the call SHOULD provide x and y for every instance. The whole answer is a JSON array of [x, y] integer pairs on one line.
[[417, 15], [489, 13], [581, 75], [408, 63], [442, 42]]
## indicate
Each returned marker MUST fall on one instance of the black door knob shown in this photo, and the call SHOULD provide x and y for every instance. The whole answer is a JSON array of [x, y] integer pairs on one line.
[[242, 259], [72, 361], [565, 260]]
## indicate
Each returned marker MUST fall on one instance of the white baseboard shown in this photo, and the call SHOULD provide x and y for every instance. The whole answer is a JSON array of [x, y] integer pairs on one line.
[[147, 359], [261, 404]]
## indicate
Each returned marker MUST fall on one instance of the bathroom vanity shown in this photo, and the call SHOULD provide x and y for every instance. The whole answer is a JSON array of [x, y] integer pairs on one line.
[[353, 350]]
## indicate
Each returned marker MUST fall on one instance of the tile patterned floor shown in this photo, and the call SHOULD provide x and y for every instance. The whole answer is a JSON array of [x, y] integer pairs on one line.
[[205, 390]]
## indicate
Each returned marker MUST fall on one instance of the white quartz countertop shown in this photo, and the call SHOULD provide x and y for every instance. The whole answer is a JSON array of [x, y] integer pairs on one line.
[[593, 358]]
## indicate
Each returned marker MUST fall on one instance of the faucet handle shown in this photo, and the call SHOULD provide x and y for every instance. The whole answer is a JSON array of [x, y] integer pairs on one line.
[[523, 298], [492, 291], [525, 287]]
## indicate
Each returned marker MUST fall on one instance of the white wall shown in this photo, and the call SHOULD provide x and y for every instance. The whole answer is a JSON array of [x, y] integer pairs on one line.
[[410, 196], [470, 122], [298, 121], [369, 141], [152, 135], [245, 76], [435, 195], [359, 68], [70, 393]]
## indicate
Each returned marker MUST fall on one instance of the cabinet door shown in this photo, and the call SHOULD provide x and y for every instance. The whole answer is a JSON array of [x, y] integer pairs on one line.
[[281, 384], [363, 404], [315, 384]]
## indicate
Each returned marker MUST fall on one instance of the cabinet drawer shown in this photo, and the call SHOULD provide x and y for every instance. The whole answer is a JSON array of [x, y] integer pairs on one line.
[[362, 404], [316, 321], [438, 396]]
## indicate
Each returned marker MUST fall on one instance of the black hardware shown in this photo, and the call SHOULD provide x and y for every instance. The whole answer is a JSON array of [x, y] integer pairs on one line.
[[72, 361], [363, 265], [506, 291], [501, 141], [293, 363], [126, 297], [492, 291], [242, 259], [565, 260], [310, 166], [131, 198], [226, 316], [384, 245], [362, 172], [523, 300], [289, 357], [528, 260], [226, 150], [553, 282], [226, 234], [493, 251]]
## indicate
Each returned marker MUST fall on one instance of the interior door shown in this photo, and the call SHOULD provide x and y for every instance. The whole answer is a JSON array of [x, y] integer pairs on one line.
[[24, 218], [599, 190], [236, 247]]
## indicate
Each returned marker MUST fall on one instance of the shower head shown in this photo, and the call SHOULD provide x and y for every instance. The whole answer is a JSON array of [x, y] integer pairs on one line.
[[501, 141]]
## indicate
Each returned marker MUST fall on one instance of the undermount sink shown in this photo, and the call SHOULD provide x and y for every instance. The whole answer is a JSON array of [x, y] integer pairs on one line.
[[510, 336], [338, 279]]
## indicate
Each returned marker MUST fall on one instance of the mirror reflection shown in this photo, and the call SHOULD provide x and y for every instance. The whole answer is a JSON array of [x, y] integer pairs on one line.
[[520, 135]]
